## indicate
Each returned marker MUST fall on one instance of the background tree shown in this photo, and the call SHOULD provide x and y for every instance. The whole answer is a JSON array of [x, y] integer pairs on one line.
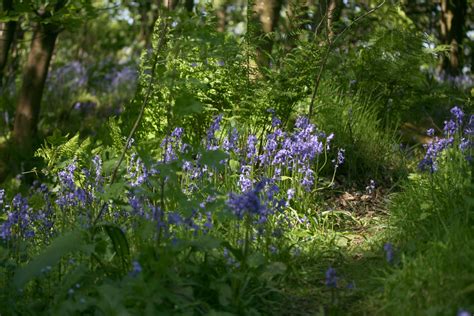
[[452, 24], [7, 32]]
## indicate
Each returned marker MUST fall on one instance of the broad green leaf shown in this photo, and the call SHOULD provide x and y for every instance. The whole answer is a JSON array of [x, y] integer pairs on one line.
[[119, 242], [274, 269], [213, 158], [186, 105], [62, 245]]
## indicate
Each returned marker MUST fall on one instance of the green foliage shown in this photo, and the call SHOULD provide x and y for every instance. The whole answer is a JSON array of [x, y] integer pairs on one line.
[[432, 221]]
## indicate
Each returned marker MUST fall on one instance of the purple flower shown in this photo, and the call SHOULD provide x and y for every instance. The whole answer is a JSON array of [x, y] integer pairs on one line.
[[231, 143], [215, 126], [174, 218], [463, 312], [251, 146], [450, 127], [308, 179], [433, 150], [458, 114], [469, 130], [331, 278], [276, 121], [340, 157], [136, 268], [388, 248], [290, 194], [18, 216], [430, 132], [177, 132], [246, 203], [371, 187]]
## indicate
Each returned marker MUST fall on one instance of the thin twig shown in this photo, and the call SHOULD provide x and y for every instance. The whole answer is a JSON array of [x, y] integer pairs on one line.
[[140, 115]]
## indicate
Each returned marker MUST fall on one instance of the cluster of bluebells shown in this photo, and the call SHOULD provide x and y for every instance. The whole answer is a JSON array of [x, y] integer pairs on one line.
[[261, 194], [258, 203], [458, 131]]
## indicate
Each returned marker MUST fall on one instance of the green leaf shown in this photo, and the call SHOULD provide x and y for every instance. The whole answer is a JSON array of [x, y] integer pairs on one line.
[[234, 165], [225, 294], [274, 269], [256, 260], [214, 158], [186, 104], [60, 246], [238, 254], [119, 242]]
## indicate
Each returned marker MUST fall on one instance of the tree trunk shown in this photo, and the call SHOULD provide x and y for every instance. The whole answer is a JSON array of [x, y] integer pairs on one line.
[[453, 17], [7, 32], [221, 18], [34, 77], [268, 12], [328, 12]]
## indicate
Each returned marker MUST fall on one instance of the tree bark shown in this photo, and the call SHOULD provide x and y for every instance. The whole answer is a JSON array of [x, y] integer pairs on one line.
[[7, 33], [328, 12], [31, 92], [453, 18], [268, 12], [221, 18]]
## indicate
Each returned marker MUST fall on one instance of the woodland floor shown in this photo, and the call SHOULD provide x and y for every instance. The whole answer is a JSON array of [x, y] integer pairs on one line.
[[354, 247]]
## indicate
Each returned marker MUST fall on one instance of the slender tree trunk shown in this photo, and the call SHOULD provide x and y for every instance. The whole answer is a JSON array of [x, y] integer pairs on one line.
[[453, 18], [7, 33], [268, 12], [34, 77], [221, 18], [327, 13]]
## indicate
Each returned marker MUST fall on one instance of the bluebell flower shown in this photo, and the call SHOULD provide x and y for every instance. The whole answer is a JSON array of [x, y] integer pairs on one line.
[[463, 312], [371, 187], [18, 217], [276, 121], [340, 157], [388, 248], [246, 203], [430, 132], [469, 129], [331, 278], [177, 133], [433, 150], [450, 127], [251, 146], [458, 114], [174, 218], [211, 139], [136, 268], [290, 194]]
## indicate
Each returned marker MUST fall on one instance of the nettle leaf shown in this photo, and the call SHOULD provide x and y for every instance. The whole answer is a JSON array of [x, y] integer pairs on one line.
[[62, 245]]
